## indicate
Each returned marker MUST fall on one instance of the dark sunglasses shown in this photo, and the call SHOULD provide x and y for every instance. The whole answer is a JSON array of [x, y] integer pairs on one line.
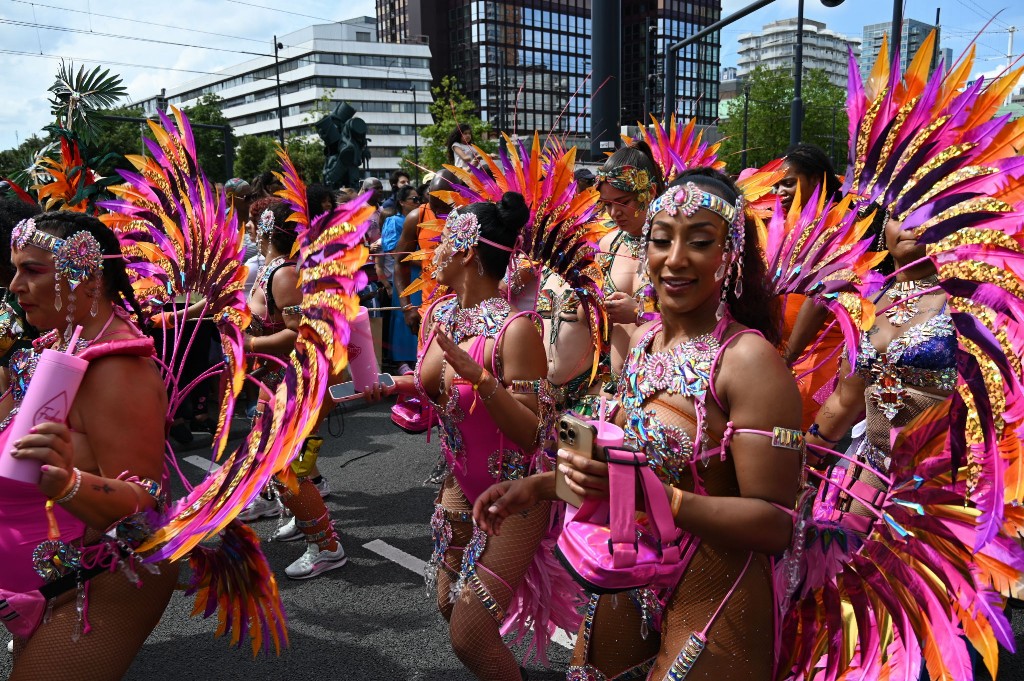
[[415, 199]]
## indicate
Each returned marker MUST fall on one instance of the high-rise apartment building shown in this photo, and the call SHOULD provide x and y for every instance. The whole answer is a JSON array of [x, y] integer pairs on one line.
[[913, 35], [775, 48], [526, 63], [388, 85]]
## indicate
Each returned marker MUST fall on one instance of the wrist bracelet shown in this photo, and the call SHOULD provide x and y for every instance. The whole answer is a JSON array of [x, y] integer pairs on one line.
[[72, 489], [252, 344], [815, 430], [677, 501], [494, 392]]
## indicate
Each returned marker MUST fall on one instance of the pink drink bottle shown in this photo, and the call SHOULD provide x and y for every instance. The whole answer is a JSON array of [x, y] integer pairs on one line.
[[49, 397], [362, 359]]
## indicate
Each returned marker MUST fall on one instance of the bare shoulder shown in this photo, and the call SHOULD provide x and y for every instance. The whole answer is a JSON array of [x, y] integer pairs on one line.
[[640, 332], [125, 379]]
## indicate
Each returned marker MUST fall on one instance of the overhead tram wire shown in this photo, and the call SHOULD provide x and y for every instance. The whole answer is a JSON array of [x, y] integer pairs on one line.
[[107, 62], [283, 11], [142, 21], [28, 24]]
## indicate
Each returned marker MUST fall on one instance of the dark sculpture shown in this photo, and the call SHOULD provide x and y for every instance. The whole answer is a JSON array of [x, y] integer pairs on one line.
[[345, 146]]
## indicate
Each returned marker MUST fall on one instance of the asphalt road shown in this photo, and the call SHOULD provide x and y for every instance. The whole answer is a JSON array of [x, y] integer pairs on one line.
[[373, 618]]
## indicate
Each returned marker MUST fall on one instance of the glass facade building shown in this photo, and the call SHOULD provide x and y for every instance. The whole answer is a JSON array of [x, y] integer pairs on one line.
[[527, 63], [914, 33]]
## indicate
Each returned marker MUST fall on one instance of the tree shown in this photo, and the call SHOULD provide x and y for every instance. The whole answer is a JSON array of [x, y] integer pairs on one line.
[[450, 107], [257, 154], [113, 140], [771, 92], [210, 143]]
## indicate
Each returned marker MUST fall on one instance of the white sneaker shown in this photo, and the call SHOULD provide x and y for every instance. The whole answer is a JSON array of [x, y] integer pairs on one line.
[[260, 507], [287, 532], [323, 487], [314, 561]]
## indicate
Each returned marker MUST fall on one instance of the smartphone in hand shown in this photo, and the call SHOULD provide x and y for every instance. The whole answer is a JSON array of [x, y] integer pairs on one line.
[[576, 436], [346, 392]]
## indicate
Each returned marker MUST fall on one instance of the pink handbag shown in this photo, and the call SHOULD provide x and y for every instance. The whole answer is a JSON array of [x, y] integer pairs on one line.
[[607, 551]]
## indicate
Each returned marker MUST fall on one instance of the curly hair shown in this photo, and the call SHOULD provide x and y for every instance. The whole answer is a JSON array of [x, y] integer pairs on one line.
[[758, 307], [116, 284]]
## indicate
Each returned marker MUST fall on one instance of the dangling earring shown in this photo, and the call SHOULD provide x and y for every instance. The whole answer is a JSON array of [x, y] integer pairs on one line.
[[724, 274], [94, 293], [56, 289], [480, 267]]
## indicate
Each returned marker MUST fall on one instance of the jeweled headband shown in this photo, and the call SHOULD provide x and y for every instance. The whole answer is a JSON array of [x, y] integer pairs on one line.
[[75, 258], [630, 179], [464, 232]]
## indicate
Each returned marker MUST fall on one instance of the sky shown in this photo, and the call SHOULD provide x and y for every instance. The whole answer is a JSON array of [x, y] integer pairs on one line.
[[214, 34]]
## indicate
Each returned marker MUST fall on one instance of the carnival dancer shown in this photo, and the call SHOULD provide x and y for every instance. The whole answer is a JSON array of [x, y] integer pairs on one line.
[[910, 543], [276, 304], [100, 472], [807, 169], [628, 182], [707, 430], [479, 361]]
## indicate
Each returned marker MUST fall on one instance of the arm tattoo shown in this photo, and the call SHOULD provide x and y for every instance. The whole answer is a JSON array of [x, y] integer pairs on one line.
[[105, 488]]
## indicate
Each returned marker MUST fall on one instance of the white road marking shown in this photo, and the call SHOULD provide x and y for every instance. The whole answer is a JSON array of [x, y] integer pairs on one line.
[[203, 462], [395, 555], [411, 562]]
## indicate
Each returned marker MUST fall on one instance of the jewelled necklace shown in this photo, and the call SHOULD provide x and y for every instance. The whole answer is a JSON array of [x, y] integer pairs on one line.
[[634, 244], [684, 369], [483, 319], [905, 297], [263, 274]]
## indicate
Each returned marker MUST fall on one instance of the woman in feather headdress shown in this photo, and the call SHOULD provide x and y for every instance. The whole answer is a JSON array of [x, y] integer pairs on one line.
[[909, 545], [100, 473]]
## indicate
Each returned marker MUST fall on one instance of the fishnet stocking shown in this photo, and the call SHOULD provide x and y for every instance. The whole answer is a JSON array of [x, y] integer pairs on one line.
[[121, 616], [473, 630], [615, 641], [740, 641], [308, 506]]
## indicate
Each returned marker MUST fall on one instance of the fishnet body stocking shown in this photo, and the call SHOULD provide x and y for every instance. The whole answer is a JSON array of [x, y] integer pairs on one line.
[[474, 631], [616, 645], [120, 615], [740, 641], [308, 507]]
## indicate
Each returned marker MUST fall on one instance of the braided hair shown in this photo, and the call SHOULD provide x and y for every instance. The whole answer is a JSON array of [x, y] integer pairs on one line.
[[116, 284]]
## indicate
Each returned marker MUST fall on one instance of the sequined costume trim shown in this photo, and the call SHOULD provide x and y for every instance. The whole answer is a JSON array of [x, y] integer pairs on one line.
[[588, 672]]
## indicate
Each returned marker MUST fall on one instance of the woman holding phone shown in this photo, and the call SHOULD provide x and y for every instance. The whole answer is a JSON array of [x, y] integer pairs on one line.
[[688, 402], [480, 362]]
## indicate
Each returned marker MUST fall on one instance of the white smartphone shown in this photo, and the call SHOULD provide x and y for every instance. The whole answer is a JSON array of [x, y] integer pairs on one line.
[[346, 392]]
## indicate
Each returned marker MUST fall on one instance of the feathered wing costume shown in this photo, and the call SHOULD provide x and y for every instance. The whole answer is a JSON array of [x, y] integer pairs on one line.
[[872, 597], [182, 242], [562, 235]]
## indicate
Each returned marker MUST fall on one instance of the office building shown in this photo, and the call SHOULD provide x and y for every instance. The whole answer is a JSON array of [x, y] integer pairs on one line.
[[526, 63], [913, 36], [775, 48], [389, 86]]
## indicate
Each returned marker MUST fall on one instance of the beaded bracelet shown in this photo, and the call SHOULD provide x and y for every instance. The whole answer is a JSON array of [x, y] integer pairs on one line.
[[483, 377], [522, 387], [815, 430], [72, 489]]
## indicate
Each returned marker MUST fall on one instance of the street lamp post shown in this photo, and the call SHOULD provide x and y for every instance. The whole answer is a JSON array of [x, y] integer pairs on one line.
[[746, 116], [277, 73], [796, 109]]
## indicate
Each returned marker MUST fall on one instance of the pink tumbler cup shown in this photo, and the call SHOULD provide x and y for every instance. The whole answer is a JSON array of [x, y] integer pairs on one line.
[[608, 434], [362, 359], [50, 394]]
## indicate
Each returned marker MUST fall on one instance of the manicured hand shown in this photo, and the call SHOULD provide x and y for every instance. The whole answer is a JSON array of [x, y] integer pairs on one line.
[[412, 319], [50, 445], [586, 477], [621, 307], [502, 500], [459, 360]]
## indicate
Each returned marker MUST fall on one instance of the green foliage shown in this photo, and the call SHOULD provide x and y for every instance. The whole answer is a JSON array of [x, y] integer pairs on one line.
[[771, 92], [22, 163], [76, 96], [254, 155], [450, 107], [210, 143], [258, 154]]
